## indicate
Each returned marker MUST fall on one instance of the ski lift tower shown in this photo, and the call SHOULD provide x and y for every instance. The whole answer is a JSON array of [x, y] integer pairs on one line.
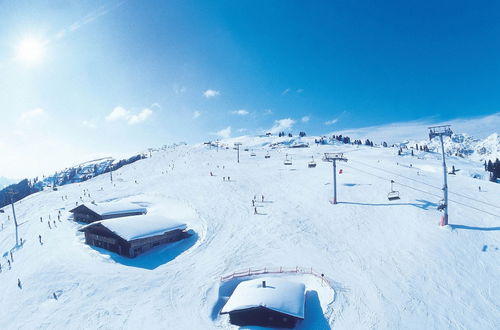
[[237, 145], [12, 193], [441, 131], [333, 158]]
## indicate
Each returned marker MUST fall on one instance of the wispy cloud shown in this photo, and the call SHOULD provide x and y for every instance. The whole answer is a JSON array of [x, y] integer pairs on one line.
[[305, 119], [241, 112], [284, 124], [120, 113], [101, 11], [196, 114], [300, 90], [209, 93], [89, 124], [224, 133], [331, 122], [268, 112], [140, 117], [286, 91], [35, 114], [178, 90]]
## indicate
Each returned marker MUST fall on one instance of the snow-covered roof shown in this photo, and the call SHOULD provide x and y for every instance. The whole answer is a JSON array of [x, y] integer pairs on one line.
[[279, 295], [112, 208], [139, 226]]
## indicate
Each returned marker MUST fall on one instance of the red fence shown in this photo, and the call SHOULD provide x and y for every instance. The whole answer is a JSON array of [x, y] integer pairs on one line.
[[280, 270]]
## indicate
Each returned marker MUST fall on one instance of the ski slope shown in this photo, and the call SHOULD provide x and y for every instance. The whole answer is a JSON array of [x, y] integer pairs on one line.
[[389, 264]]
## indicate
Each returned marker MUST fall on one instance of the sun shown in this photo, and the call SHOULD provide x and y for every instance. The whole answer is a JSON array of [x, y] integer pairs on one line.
[[30, 50]]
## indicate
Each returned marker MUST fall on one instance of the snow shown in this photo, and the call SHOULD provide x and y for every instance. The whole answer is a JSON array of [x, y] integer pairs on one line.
[[391, 266], [139, 226], [279, 295], [115, 208]]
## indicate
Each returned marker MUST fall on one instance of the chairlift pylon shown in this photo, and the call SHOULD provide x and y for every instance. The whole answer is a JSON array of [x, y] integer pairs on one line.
[[312, 163], [393, 195]]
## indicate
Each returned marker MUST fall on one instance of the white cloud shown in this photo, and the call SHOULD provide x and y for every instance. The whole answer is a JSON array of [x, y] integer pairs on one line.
[[89, 124], [211, 93], [156, 105], [196, 114], [305, 119], [140, 117], [117, 114], [224, 133], [300, 90], [268, 112], [241, 112], [282, 125], [178, 90], [120, 113], [29, 116], [331, 122], [285, 91], [242, 130]]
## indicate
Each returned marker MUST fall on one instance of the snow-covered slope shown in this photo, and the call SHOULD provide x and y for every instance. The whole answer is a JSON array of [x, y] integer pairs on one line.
[[388, 263]]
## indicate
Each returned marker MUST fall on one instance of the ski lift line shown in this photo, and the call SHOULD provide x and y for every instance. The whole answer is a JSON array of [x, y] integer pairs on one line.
[[427, 184], [423, 191]]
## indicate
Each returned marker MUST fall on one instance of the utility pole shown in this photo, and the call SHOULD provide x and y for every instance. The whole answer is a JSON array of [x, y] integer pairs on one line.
[[441, 131], [333, 158], [11, 193], [238, 144]]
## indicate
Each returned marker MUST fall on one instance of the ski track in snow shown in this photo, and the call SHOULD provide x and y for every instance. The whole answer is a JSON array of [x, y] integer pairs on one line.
[[390, 264]]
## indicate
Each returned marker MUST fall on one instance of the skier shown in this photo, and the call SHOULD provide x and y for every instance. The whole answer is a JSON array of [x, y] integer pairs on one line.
[[223, 178], [40, 239], [228, 178], [48, 222], [8, 261], [55, 224], [54, 295], [262, 198], [479, 188], [211, 174], [254, 210], [11, 257], [19, 284], [253, 203], [41, 219]]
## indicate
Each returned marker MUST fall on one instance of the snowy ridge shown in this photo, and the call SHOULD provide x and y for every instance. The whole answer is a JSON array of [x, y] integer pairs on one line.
[[390, 264]]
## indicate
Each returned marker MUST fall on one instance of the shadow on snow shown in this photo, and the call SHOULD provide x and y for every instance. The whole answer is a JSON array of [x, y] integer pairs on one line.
[[422, 204], [157, 256], [474, 228]]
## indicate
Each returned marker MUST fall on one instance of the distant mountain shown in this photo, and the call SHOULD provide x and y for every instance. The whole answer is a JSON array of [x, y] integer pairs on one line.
[[465, 146], [78, 173]]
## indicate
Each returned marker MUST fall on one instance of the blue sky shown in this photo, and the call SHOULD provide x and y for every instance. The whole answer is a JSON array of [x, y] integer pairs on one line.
[[82, 79]]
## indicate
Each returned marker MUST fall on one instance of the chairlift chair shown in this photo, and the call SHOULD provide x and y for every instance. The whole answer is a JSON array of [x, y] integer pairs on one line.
[[393, 195], [312, 163], [287, 161]]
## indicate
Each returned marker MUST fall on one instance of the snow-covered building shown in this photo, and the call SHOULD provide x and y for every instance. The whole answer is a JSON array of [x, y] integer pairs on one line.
[[89, 213], [269, 302], [133, 235]]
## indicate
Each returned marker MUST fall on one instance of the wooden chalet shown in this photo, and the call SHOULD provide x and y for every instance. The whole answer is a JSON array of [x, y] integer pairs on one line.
[[267, 302], [133, 235]]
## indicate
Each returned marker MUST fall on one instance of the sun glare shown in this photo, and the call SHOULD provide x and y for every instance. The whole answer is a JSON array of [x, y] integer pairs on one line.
[[30, 50]]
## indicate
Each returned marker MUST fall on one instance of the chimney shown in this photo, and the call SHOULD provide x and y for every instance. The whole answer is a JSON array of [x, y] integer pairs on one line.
[[263, 284]]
